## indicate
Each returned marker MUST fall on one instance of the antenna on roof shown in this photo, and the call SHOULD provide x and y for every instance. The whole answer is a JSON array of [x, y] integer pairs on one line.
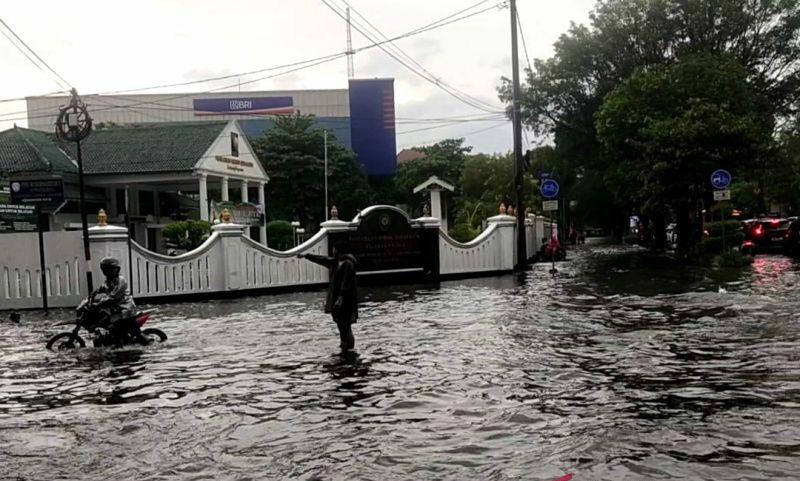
[[350, 52]]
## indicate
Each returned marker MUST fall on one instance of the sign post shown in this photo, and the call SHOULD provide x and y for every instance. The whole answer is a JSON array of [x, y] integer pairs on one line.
[[549, 189], [721, 180]]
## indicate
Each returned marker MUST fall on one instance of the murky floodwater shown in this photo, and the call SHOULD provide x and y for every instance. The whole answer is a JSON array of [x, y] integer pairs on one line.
[[619, 368]]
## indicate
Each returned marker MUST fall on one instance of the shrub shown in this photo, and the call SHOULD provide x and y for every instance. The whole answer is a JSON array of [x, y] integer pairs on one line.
[[715, 228], [464, 232], [187, 234], [280, 235], [733, 258]]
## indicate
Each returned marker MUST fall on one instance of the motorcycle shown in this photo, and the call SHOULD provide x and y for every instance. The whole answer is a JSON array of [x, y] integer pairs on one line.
[[96, 321]]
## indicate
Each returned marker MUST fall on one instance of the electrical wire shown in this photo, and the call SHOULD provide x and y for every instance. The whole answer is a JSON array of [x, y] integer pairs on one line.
[[422, 75], [524, 45], [65, 84], [401, 52], [450, 19]]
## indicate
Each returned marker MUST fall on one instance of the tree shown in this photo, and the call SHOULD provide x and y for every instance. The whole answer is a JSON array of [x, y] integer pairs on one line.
[[487, 181], [669, 127], [444, 159], [563, 93], [292, 153]]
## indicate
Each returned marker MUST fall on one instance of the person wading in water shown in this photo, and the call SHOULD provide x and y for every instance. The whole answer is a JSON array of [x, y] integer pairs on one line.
[[342, 299]]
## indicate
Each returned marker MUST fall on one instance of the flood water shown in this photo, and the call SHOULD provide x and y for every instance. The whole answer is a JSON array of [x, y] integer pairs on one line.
[[620, 367]]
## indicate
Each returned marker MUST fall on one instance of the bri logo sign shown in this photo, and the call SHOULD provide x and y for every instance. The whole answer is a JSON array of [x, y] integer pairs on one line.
[[244, 106]]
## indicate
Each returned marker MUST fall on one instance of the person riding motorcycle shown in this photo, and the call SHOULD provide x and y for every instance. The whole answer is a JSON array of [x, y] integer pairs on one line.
[[114, 299]]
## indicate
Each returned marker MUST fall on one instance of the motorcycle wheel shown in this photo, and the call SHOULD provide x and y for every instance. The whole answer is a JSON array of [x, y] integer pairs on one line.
[[65, 341], [155, 335]]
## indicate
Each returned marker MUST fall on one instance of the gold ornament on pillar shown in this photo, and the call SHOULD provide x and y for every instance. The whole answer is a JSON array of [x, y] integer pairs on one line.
[[102, 218], [334, 213], [502, 209], [426, 210], [226, 216]]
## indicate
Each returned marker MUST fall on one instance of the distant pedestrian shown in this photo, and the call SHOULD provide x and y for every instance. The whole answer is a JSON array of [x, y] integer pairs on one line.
[[342, 298], [14, 317]]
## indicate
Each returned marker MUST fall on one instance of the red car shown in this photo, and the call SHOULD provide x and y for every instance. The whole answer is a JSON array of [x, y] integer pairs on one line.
[[765, 234]]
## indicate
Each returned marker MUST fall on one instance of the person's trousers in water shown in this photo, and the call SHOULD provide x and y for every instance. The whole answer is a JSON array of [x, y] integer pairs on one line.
[[345, 325]]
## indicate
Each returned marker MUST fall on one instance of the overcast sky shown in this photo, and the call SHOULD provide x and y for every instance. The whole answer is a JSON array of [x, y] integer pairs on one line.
[[100, 46]]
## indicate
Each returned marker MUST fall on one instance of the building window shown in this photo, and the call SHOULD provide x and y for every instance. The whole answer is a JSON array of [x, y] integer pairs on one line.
[[234, 144]]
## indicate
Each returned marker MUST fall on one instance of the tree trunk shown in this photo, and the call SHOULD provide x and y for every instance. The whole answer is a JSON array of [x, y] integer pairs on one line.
[[684, 228], [659, 231]]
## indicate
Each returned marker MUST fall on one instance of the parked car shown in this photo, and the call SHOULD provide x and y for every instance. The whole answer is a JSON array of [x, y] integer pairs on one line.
[[767, 234], [792, 242]]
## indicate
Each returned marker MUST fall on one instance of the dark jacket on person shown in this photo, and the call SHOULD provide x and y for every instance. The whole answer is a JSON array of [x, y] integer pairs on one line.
[[342, 284], [114, 296]]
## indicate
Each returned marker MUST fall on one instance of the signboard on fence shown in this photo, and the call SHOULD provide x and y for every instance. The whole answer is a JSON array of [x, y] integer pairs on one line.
[[33, 191], [386, 241], [17, 218], [241, 213]]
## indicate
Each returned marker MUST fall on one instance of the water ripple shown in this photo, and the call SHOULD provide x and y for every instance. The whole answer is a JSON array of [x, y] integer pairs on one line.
[[621, 366]]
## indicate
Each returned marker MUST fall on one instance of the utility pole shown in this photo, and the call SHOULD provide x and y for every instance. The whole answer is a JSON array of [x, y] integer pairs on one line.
[[519, 166], [325, 143], [350, 52]]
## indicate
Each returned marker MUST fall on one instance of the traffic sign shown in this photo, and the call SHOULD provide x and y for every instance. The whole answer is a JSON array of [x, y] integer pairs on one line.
[[722, 195], [549, 205], [31, 191], [549, 188], [721, 179]]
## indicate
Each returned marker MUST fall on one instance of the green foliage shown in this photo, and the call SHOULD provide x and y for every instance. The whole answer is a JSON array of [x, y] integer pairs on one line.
[[464, 232], [187, 234], [563, 94], [733, 258], [669, 127], [444, 159], [293, 155], [280, 235], [487, 181], [713, 242], [731, 227]]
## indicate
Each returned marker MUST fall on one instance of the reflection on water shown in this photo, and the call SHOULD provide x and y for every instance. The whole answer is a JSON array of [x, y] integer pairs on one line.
[[622, 366]]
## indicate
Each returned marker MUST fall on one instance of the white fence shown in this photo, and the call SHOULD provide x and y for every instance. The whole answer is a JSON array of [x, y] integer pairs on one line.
[[20, 271], [492, 250], [227, 261]]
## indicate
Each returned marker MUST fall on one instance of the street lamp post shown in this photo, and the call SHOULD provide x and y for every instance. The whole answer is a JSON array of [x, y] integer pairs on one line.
[[73, 125]]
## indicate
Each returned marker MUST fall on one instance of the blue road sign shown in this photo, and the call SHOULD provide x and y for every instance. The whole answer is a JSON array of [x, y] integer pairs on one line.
[[721, 179], [549, 188]]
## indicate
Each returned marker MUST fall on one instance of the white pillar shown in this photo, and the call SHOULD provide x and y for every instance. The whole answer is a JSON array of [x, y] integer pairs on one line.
[[203, 197], [245, 199], [262, 229], [224, 189], [244, 191], [436, 208]]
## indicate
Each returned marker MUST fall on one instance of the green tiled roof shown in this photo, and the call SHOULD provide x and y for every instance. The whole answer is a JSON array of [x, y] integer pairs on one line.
[[146, 149], [25, 150]]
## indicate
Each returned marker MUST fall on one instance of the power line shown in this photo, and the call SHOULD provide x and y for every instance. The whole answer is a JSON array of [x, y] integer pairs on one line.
[[447, 20], [424, 76], [449, 124], [403, 53], [524, 45], [425, 28], [66, 85]]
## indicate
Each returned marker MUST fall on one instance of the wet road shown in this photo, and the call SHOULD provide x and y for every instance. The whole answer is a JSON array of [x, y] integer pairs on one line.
[[622, 367]]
